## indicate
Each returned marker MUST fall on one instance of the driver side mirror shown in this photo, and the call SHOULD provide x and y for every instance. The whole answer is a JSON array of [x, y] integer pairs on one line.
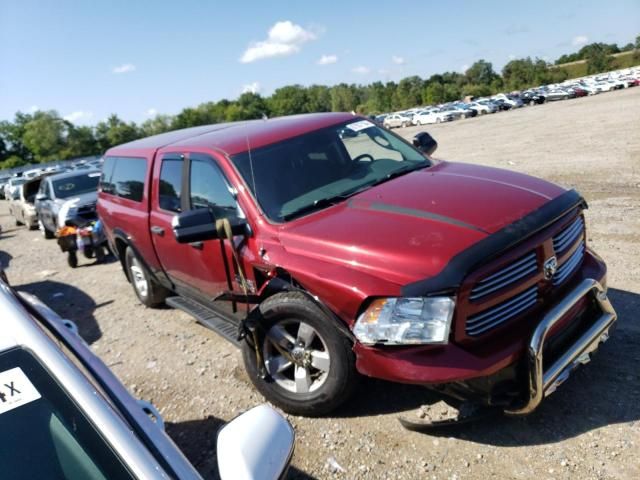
[[199, 225], [425, 143], [256, 445]]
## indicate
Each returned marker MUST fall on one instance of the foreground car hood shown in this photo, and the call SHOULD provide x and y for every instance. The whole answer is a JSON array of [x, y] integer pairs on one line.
[[410, 227]]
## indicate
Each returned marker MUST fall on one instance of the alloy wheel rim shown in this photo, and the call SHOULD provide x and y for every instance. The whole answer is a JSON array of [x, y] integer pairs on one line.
[[139, 280], [306, 364]]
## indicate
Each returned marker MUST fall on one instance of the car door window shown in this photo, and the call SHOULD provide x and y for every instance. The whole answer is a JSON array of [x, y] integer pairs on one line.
[[170, 187], [209, 189]]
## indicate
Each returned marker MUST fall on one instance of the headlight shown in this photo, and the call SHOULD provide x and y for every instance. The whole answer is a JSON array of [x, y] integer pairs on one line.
[[402, 321]]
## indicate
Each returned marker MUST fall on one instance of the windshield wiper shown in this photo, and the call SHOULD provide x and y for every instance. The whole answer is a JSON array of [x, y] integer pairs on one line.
[[319, 204], [398, 173]]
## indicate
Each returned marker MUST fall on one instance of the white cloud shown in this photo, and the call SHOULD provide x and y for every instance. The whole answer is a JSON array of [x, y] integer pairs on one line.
[[512, 56], [251, 88], [151, 112], [464, 68], [362, 70], [78, 116], [580, 40], [124, 68], [284, 38], [34, 108], [327, 59], [398, 60]]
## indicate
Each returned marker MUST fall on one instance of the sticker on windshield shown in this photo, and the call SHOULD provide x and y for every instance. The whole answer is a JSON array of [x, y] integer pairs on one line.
[[96, 174], [15, 390], [361, 125]]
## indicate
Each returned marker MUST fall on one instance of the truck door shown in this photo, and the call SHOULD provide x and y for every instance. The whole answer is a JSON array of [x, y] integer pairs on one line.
[[183, 182]]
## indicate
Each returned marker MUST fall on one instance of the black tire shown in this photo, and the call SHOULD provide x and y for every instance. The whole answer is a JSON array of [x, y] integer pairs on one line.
[[151, 296], [340, 380], [47, 234], [72, 259], [99, 254]]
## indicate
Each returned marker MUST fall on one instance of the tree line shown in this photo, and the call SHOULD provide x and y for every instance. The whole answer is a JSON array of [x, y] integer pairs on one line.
[[44, 136]]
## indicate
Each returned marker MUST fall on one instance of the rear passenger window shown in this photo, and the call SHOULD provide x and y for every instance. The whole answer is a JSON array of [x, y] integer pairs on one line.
[[209, 189], [127, 180], [170, 184], [107, 171]]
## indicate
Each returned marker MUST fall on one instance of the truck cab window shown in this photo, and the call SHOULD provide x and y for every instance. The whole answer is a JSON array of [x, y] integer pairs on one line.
[[169, 189], [209, 189]]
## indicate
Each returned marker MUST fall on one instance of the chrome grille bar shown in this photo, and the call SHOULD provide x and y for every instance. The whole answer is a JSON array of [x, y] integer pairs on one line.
[[494, 316], [568, 236], [508, 275], [569, 266]]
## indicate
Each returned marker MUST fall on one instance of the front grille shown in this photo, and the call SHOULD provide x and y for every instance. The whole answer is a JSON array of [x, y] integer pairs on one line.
[[567, 237], [508, 275], [569, 266], [488, 319], [569, 247]]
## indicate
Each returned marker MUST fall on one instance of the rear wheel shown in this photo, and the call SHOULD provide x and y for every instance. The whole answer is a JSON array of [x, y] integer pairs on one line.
[[148, 291], [72, 259], [309, 363]]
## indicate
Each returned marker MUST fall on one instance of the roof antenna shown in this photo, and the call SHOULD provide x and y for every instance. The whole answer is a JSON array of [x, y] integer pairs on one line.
[[264, 116], [253, 178]]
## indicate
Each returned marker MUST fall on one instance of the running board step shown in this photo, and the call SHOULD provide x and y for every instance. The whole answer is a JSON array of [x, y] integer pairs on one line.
[[207, 317]]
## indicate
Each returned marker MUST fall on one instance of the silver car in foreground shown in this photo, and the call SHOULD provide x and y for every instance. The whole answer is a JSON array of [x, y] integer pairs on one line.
[[63, 413]]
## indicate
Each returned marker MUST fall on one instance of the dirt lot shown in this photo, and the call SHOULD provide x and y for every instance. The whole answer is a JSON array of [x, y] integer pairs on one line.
[[590, 428]]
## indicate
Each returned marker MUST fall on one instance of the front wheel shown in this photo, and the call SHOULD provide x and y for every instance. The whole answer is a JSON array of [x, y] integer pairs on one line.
[[148, 291], [309, 363], [48, 234]]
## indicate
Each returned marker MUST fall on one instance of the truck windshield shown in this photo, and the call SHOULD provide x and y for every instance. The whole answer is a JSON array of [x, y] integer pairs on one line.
[[318, 169], [44, 434], [76, 185]]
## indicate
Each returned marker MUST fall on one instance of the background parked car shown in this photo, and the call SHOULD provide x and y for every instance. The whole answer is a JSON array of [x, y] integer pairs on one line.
[[22, 207], [12, 185], [431, 116], [557, 94], [66, 195], [396, 120]]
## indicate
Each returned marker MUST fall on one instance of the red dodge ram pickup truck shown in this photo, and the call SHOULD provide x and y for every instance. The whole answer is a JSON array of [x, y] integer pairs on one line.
[[327, 247]]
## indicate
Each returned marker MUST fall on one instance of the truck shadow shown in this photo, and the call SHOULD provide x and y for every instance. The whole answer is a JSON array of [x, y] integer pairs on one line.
[[197, 440], [68, 302], [605, 392]]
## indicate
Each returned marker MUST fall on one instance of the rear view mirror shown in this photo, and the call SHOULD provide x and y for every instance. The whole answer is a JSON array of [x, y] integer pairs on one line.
[[194, 226], [425, 143], [200, 224], [257, 445]]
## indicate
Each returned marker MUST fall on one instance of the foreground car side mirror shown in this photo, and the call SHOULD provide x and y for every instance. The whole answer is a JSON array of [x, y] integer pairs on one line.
[[425, 143], [199, 225], [41, 196], [257, 445]]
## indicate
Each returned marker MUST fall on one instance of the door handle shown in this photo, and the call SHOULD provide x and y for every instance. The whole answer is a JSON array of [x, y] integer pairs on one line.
[[158, 231], [197, 245]]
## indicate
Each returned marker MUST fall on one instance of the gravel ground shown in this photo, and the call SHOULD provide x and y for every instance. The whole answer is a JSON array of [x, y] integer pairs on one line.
[[590, 428]]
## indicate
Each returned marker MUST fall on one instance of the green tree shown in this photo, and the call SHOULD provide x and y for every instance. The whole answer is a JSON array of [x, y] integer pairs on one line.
[[251, 106], [289, 100], [156, 125], [80, 142], [115, 131], [344, 98], [318, 98], [433, 94], [480, 73], [45, 136], [598, 60], [12, 162]]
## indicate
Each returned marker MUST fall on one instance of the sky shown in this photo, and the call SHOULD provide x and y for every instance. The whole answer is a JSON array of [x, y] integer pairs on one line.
[[137, 58]]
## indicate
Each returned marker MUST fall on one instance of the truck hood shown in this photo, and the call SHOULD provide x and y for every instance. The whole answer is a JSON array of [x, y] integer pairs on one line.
[[409, 228]]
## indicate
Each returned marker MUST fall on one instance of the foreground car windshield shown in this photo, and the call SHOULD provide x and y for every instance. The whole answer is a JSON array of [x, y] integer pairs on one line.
[[314, 170], [71, 186], [45, 435]]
